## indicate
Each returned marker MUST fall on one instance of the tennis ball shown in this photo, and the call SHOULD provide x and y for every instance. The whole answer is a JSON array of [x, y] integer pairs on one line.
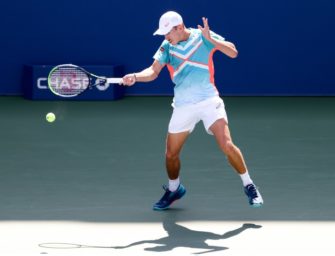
[[50, 117]]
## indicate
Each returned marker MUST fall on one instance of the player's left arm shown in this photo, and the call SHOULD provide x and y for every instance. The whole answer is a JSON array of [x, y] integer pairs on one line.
[[225, 47]]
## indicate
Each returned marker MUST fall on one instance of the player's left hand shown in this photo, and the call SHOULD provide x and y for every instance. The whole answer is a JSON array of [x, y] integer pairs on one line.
[[205, 29]]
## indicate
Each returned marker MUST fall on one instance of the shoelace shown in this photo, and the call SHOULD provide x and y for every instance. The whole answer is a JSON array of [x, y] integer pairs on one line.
[[166, 194], [252, 191]]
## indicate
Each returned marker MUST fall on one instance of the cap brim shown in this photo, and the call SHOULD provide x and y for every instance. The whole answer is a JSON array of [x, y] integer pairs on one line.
[[160, 32]]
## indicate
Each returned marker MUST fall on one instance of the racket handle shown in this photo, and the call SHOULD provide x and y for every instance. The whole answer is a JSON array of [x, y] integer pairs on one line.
[[114, 80]]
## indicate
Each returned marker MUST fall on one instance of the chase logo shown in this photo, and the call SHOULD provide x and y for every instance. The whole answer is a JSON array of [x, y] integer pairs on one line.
[[42, 84], [65, 83]]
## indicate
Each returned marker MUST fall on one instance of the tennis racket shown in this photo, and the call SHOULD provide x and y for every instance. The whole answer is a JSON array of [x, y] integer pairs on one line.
[[68, 80]]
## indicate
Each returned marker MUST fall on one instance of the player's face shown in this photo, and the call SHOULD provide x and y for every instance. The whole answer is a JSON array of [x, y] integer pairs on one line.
[[174, 36]]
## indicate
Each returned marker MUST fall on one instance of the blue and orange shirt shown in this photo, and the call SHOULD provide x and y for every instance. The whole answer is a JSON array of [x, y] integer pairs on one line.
[[191, 68]]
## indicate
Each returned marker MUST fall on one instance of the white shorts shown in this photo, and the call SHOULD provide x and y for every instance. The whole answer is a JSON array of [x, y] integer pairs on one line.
[[186, 117]]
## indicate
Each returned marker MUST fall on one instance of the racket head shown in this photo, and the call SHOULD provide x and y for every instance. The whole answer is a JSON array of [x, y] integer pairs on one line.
[[68, 80]]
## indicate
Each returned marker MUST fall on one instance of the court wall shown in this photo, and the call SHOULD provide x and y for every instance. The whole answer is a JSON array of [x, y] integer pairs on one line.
[[285, 47]]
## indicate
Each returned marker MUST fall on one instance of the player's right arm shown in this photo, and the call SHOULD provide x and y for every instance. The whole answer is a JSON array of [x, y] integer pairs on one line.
[[147, 75]]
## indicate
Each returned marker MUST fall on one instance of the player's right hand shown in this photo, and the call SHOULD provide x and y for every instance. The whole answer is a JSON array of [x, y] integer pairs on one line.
[[129, 79]]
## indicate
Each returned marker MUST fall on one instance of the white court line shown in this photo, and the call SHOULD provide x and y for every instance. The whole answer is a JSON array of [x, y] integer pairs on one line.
[[273, 238]]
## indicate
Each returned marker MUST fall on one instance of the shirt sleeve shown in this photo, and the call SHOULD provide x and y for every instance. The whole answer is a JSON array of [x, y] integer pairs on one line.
[[215, 36], [162, 54]]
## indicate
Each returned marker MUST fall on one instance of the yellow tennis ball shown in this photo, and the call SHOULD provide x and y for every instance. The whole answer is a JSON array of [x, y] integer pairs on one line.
[[50, 117]]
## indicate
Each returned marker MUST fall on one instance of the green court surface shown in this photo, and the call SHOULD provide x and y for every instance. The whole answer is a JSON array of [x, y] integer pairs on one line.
[[91, 178]]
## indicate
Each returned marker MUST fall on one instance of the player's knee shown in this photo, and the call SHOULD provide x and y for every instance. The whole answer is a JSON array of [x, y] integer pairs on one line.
[[228, 147], [170, 156]]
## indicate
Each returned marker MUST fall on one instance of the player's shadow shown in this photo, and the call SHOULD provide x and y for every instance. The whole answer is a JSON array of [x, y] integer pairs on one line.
[[177, 236], [180, 236]]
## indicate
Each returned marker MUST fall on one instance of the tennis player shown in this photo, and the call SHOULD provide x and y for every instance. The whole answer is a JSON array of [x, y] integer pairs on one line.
[[188, 53]]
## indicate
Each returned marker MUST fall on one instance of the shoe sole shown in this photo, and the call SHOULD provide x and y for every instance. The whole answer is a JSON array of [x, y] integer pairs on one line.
[[256, 205], [160, 209]]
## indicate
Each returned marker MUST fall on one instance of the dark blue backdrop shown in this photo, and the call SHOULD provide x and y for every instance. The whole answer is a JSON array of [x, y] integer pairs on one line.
[[285, 47]]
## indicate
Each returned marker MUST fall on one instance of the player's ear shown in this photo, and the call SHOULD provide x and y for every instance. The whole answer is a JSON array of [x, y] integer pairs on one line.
[[180, 27]]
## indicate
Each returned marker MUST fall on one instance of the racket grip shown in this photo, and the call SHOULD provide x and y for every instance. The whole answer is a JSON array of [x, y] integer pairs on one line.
[[114, 80]]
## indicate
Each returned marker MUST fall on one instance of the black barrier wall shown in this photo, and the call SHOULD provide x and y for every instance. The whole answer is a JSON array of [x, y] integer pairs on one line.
[[285, 47]]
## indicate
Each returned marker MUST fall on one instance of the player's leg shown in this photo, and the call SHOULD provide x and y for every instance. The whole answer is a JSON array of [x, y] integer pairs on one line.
[[222, 135], [182, 123], [175, 190], [174, 144]]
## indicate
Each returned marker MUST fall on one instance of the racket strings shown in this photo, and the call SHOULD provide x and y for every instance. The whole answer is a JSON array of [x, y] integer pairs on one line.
[[68, 81]]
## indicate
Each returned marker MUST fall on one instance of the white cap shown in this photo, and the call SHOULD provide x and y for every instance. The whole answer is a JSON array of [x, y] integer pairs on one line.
[[167, 21]]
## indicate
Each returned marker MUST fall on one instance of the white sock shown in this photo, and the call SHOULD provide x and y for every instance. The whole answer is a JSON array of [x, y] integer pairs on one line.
[[246, 180], [174, 184]]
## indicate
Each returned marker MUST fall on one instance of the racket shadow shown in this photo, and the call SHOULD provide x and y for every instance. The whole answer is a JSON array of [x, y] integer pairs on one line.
[[70, 246]]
